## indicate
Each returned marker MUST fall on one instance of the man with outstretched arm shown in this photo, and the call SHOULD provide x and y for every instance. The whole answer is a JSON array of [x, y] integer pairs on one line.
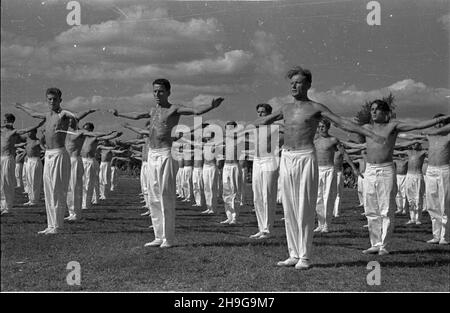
[[380, 186], [298, 164], [163, 117], [9, 137]]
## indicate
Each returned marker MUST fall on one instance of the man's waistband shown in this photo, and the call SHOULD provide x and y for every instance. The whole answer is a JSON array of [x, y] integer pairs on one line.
[[379, 165], [55, 151]]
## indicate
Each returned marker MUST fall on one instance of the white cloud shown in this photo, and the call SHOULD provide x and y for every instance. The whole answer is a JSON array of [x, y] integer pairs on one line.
[[269, 59]]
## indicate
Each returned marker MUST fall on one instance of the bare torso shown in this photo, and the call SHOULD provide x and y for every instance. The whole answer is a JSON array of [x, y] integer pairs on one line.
[[9, 138], [439, 150], [56, 121], [415, 161], [106, 155], [300, 119], [325, 150], [33, 148], [74, 144], [401, 166], [162, 121], [89, 147], [338, 160], [381, 153]]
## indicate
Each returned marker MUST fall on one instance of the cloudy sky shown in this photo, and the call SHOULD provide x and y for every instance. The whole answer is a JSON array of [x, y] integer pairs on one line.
[[239, 50]]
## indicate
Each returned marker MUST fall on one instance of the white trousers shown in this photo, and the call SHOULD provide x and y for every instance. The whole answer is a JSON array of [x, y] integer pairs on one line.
[[380, 189], [7, 182], [361, 190], [89, 178], [326, 195], [437, 188], [75, 190], [231, 181], [339, 192], [144, 182], [198, 186], [414, 189], [24, 176], [104, 179], [279, 192], [19, 173], [219, 183], [33, 169], [401, 199], [179, 182], [264, 186], [299, 178], [161, 190], [210, 176], [56, 182], [187, 183], [114, 176], [96, 183], [243, 185]]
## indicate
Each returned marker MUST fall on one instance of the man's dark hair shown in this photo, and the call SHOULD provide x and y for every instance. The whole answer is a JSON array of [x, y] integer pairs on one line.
[[162, 81], [438, 115], [10, 118], [298, 70], [54, 91], [325, 121], [381, 105], [233, 123], [88, 126], [266, 106]]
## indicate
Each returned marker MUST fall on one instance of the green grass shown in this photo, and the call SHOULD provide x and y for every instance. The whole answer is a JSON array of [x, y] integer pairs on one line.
[[109, 245]]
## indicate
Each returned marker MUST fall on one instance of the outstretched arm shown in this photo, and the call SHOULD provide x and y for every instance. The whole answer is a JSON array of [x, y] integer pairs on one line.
[[404, 127], [406, 144], [349, 160], [29, 129], [112, 136], [437, 131], [201, 109], [354, 145], [348, 125], [130, 115], [269, 119], [80, 115], [137, 130], [29, 111]]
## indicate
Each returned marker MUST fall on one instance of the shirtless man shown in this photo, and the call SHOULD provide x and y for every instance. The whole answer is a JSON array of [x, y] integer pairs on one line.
[[179, 177], [339, 156], [20, 160], [9, 137], [415, 184], [33, 168], [57, 162], [379, 180], [74, 144], [163, 117], [144, 141], [197, 178], [326, 147], [298, 165], [90, 163], [265, 175], [401, 169], [107, 151], [231, 175], [210, 177], [437, 180]]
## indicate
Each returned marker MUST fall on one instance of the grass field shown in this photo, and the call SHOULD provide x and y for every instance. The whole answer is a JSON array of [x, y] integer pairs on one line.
[[208, 256]]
